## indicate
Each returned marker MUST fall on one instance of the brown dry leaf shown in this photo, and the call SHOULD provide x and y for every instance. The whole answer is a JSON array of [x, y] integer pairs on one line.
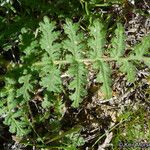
[[16, 139], [100, 95]]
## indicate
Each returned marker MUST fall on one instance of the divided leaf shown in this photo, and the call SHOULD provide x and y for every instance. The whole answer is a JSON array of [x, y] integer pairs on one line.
[[8, 102], [52, 80], [97, 40], [17, 123], [48, 38], [26, 87], [118, 42], [97, 43], [128, 68], [50, 76], [143, 47], [78, 72], [48, 70], [7, 96], [27, 45], [11, 101], [74, 42], [14, 117], [104, 76]]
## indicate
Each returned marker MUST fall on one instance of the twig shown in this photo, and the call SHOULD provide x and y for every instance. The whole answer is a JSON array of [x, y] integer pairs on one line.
[[107, 141]]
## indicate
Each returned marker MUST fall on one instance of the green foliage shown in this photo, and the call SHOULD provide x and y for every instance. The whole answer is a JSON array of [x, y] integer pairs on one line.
[[50, 77], [18, 126], [16, 120], [104, 76], [27, 46], [76, 70], [97, 43], [142, 48], [128, 68], [97, 40], [134, 129], [74, 42], [26, 87], [19, 14], [118, 42], [75, 45], [48, 38], [74, 140], [49, 72], [45, 58], [118, 50]]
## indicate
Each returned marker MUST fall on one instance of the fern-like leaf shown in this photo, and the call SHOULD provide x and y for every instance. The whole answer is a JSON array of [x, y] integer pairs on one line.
[[97, 40], [26, 87], [139, 51], [27, 45], [118, 42], [7, 96], [76, 70], [74, 42], [142, 48], [128, 68], [14, 117], [48, 39], [50, 76], [104, 76], [17, 123], [97, 43]]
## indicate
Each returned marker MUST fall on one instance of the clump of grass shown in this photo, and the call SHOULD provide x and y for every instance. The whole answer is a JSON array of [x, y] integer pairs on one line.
[[135, 129]]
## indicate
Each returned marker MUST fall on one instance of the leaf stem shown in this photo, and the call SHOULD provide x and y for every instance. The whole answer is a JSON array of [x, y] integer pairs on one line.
[[99, 59]]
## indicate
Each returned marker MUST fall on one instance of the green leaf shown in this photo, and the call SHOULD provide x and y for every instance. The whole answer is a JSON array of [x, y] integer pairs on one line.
[[11, 100], [97, 40], [74, 42], [78, 72], [75, 140], [14, 117], [27, 45], [48, 101], [59, 107], [128, 68], [97, 43], [52, 80], [17, 124], [118, 42], [26, 87], [2, 107], [8, 101], [48, 39], [50, 76], [104, 76], [142, 48]]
